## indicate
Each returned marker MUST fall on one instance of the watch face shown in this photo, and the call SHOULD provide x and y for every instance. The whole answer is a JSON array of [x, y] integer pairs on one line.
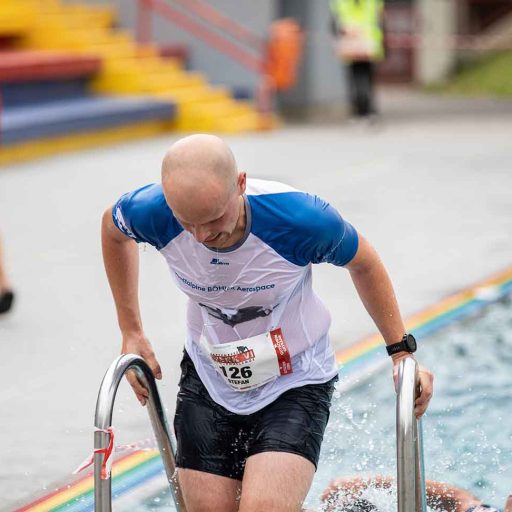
[[410, 341]]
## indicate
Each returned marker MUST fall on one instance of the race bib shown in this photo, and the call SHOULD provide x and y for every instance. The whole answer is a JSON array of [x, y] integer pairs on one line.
[[250, 363]]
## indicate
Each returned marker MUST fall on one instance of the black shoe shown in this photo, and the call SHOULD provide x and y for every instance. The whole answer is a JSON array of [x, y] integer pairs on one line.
[[6, 300]]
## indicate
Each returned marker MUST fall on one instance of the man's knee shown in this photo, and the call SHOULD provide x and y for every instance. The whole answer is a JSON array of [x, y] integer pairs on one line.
[[209, 504], [205, 492], [261, 503]]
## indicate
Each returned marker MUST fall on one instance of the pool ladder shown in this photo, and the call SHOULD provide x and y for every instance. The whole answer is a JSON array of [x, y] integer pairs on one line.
[[409, 436], [410, 467], [103, 420]]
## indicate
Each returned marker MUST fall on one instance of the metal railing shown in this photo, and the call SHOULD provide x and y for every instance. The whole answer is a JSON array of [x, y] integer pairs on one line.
[[238, 46], [410, 467], [103, 421]]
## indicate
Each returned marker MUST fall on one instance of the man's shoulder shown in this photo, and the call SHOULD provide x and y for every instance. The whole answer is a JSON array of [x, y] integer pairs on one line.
[[143, 214], [257, 187], [301, 227], [281, 206], [148, 197]]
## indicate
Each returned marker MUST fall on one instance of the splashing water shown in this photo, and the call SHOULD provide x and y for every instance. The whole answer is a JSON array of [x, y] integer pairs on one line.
[[463, 440]]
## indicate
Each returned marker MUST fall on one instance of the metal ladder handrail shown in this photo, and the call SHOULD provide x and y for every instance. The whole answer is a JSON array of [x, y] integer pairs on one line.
[[410, 466], [103, 420]]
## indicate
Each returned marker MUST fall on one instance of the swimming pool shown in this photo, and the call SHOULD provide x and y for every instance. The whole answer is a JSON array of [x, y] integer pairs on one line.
[[467, 433]]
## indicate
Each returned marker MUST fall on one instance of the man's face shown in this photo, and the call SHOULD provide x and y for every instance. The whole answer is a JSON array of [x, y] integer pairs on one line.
[[207, 208], [213, 225]]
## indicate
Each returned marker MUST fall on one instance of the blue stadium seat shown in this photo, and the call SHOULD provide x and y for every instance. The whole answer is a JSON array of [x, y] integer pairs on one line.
[[25, 123]]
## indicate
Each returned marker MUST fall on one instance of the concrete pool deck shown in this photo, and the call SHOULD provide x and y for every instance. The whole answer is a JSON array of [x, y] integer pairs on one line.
[[429, 186]]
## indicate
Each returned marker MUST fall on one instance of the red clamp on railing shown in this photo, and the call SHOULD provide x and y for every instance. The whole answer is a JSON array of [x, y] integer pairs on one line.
[[106, 464]]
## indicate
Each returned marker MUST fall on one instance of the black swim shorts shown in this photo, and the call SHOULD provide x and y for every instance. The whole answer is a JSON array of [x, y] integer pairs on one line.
[[214, 440]]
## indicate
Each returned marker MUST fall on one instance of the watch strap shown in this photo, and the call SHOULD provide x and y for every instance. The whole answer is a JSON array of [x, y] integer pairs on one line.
[[401, 346]]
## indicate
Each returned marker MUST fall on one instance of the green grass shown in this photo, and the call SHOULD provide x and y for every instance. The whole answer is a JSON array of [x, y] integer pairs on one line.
[[488, 76]]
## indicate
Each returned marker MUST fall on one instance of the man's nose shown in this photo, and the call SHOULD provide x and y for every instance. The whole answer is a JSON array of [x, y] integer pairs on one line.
[[200, 233]]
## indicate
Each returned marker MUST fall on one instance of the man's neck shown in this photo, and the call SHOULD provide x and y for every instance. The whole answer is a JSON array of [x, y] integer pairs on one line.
[[241, 224]]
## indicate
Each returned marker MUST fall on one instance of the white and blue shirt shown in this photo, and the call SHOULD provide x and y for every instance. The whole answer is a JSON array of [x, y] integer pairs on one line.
[[262, 282]]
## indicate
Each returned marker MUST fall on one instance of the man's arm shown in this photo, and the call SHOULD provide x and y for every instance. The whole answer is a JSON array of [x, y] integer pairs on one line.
[[376, 292], [121, 259]]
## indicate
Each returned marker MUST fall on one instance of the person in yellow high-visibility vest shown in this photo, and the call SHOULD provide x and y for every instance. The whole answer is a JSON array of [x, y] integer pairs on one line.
[[358, 27]]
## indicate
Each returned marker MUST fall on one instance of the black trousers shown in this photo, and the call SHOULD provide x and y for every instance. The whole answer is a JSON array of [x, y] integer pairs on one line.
[[361, 87]]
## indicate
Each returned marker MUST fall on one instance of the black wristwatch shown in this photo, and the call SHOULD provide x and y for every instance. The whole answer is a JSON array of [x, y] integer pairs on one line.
[[407, 344]]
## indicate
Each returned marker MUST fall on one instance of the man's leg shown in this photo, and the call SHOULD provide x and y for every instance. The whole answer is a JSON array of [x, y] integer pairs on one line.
[[284, 449], [205, 492], [351, 72], [275, 482], [6, 294], [362, 87], [210, 447]]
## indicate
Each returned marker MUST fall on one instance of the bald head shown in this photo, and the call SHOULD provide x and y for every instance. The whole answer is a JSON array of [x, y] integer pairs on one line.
[[198, 167], [200, 177]]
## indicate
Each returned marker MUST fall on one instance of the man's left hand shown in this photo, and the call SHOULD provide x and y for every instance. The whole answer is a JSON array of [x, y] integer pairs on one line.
[[426, 385]]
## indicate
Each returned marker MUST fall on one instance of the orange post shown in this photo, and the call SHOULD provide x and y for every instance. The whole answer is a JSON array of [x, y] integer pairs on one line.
[[284, 51]]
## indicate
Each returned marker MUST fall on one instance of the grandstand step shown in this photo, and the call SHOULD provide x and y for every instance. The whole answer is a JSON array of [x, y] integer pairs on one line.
[[239, 123], [185, 95], [47, 91], [68, 39], [110, 52], [25, 66], [142, 64], [214, 108], [97, 15], [229, 122], [29, 150], [74, 116], [16, 18], [137, 82]]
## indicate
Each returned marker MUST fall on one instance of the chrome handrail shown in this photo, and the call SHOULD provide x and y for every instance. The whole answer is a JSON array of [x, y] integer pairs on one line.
[[103, 420], [410, 466]]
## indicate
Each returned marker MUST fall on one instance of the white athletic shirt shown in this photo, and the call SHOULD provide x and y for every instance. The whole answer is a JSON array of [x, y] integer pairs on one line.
[[262, 282]]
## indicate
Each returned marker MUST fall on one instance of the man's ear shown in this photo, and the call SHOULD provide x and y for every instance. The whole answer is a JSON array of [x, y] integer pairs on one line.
[[242, 182], [508, 505]]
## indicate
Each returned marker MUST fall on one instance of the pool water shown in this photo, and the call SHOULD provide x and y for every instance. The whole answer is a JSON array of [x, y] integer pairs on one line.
[[467, 430]]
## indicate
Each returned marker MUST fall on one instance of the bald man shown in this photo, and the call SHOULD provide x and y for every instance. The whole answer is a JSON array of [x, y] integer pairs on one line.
[[258, 370]]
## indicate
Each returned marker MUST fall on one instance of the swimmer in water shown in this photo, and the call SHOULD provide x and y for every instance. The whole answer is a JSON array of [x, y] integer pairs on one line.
[[347, 495]]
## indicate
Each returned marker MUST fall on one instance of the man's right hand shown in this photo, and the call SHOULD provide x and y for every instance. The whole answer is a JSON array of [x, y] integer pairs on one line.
[[138, 344]]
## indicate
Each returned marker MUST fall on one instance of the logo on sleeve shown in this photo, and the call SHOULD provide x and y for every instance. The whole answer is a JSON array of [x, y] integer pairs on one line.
[[121, 223], [216, 261]]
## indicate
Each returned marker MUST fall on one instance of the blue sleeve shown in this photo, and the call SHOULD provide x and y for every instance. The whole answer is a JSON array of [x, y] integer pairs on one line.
[[304, 228], [145, 216]]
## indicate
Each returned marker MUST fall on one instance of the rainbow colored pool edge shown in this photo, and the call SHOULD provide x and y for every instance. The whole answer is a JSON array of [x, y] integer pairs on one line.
[[356, 362]]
